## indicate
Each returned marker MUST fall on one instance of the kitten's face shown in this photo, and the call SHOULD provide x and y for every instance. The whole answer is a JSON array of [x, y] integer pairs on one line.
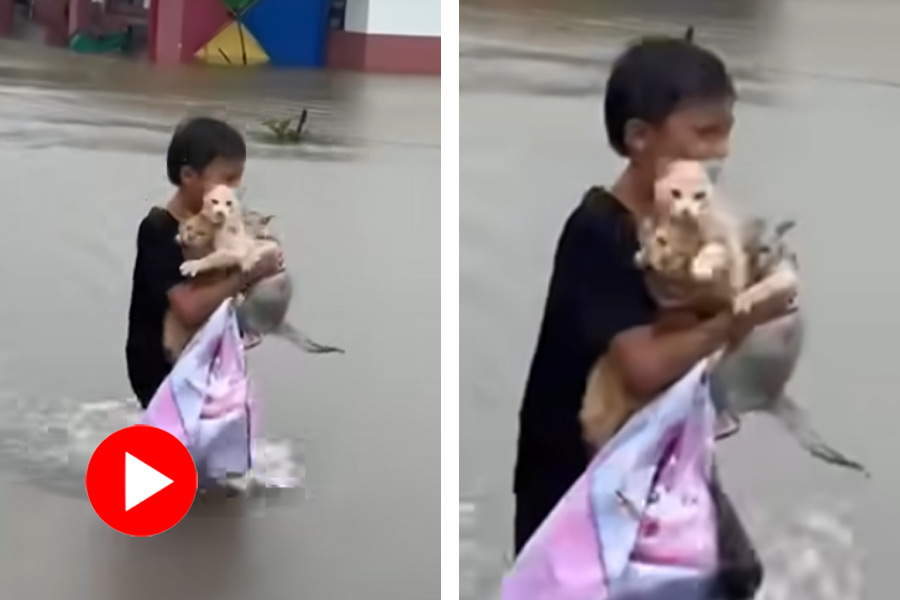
[[684, 190], [257, 224], [219, 204], [196, 232], [663, 255]]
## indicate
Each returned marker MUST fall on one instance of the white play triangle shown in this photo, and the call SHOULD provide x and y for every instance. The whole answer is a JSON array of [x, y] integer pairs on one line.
[[141, 481]]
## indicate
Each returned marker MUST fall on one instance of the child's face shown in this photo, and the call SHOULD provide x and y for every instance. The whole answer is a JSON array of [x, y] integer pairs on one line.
[[220, 171], [700, 132]]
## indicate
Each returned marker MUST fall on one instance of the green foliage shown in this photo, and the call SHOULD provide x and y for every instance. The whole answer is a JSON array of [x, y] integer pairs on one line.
[[288, 130]]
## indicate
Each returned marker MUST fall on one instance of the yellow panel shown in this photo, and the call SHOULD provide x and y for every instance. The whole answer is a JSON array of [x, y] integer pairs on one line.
[[234, 45]]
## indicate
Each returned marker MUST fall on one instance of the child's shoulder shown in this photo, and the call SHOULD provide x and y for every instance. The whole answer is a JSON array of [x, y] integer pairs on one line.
[[600, 207], [158, 223], [600, 220]]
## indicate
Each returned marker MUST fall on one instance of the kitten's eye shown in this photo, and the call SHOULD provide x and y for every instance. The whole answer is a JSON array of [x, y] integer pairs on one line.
[[676, 193], [661, 240], [701, 195], [228, 203], [215, 201]]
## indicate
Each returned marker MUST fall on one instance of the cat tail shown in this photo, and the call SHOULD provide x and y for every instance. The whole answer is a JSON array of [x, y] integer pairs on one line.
[[303, 341], [798, 423]]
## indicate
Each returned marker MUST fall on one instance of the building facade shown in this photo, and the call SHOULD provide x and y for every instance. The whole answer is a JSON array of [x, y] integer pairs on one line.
[[394, 36], [398, 36]]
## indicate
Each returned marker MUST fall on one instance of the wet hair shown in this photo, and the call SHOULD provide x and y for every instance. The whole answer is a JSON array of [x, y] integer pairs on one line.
[[656, 76], [199, 141]]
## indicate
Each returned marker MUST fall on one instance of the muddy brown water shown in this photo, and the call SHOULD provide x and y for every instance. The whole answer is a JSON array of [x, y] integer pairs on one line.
[[82, 146], [815, 140]]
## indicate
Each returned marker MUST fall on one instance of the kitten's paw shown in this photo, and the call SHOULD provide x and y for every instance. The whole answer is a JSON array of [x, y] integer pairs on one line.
[[711, 261], [743, 303], [706, 270], [248, 264], [703, 271], [190, 268]]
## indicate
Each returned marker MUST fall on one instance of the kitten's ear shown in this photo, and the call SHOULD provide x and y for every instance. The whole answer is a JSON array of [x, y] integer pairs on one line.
[[266, 218], [689, 34], [784, 226]]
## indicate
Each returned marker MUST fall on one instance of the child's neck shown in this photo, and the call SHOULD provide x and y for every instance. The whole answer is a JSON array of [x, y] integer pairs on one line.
[[634, 189], [179, 206]]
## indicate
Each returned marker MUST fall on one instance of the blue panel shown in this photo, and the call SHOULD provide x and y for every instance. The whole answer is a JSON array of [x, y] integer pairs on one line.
[[292, 32]]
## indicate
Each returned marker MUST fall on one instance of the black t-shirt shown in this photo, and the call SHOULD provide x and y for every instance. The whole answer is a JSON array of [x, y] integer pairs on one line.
[[596, 292], [156, 271]]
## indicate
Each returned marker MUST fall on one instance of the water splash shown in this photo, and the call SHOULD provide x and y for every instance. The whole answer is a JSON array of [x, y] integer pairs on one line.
[[810, 553], [479, 564], [50, 442]]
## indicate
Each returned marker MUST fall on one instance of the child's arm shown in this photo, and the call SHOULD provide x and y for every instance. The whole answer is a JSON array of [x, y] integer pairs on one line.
[[195, 300]]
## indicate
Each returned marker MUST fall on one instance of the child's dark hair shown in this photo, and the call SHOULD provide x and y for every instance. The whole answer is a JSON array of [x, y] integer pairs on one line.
[[199, 141], [656, 76]]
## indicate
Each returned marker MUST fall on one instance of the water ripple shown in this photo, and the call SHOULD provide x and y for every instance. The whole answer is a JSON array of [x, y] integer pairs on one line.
[[49, 443]]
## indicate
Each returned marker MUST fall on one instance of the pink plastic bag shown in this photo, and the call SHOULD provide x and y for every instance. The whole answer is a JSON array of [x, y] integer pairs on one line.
[[207, 400], [679, 508], [640, 523]]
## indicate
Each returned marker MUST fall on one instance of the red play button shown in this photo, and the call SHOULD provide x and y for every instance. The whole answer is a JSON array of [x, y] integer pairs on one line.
[[141, 480]]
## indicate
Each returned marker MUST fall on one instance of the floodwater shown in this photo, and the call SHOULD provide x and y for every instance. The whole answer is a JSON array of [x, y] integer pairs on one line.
[[815, 140], [355, 437]]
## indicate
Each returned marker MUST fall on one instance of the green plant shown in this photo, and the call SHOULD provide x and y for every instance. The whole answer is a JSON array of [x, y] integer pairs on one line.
[[287, 130]]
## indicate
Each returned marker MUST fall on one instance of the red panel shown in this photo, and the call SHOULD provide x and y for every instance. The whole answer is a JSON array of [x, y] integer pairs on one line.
[[53, 15], [384, 53], [346, 50], [168, 24], [7, 16], [203, 19], [152, 30]]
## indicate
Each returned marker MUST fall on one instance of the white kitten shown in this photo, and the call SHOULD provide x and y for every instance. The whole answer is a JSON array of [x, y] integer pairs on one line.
[[232, 245]]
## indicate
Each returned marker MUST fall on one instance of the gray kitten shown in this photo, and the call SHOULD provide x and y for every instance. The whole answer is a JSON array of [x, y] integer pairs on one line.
[[753, 377], [263, 308]]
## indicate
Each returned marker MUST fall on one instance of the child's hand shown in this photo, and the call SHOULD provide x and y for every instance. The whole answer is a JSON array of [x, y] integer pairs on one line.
[[268, 264], [774, 307]]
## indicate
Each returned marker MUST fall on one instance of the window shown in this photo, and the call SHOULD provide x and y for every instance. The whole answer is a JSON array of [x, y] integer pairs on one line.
[[336, 11]]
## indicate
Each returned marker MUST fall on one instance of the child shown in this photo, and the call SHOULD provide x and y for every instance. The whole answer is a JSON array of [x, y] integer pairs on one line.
[[203, 152], [665, 98]]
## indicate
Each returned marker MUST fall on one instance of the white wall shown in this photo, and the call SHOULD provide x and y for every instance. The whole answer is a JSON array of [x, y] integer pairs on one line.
[[356, 16], [394, 17]]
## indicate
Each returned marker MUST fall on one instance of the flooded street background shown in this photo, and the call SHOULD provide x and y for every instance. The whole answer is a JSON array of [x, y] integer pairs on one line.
[[82, 152], [815, 140]]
